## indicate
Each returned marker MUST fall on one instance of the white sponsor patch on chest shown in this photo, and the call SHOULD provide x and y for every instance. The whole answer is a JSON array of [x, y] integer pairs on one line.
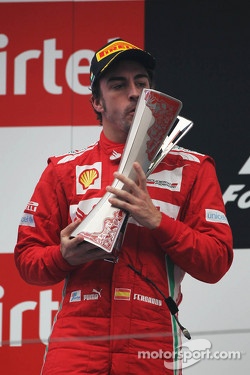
[[170, 180], [75, 296]]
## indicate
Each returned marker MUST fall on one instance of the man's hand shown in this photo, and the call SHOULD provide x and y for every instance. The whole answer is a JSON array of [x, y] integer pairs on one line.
[[76, 251], [135, 199]]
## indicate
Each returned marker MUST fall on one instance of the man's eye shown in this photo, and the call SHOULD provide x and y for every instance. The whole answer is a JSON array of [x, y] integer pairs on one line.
[[141, 84], [117, 86]]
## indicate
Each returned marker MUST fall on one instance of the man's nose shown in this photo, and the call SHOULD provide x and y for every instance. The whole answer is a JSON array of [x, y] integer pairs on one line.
[[134, 92]]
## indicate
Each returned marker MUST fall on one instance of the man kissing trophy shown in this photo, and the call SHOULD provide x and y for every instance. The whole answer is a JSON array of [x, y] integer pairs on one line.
[[155, 130]]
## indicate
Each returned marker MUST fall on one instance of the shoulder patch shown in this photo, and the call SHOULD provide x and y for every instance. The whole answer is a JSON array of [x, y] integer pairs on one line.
[[69, 156], [215, 216], [187, 154]]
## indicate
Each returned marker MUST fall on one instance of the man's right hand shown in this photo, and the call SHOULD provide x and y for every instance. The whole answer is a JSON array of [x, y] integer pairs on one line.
[[76, 251]]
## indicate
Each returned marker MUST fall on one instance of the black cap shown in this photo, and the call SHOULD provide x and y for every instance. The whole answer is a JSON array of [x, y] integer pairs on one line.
[[115, 50]]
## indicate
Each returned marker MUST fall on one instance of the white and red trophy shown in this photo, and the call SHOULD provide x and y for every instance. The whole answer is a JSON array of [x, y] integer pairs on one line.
[[150, 138]]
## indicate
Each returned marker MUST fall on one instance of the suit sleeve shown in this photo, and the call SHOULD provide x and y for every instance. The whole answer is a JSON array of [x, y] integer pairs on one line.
[[37, 252], [201, 243]]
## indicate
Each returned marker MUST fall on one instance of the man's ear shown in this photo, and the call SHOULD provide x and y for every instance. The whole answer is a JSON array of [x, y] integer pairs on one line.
[[97, 104]]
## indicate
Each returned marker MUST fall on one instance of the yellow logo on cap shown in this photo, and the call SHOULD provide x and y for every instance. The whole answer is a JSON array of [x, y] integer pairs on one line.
[[114, 47]]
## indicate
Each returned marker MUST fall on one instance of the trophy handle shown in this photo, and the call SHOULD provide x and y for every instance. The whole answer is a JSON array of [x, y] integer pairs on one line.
[[181, 128]]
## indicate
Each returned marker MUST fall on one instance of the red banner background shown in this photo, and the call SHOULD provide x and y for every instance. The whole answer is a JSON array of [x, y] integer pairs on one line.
[[45, 53]]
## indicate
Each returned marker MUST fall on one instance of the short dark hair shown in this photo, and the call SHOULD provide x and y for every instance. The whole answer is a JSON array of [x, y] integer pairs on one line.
[[96, 94]]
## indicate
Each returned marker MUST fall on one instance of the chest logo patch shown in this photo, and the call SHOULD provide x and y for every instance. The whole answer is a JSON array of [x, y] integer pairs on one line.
[[88, 177], [122, 294], [75, 296]]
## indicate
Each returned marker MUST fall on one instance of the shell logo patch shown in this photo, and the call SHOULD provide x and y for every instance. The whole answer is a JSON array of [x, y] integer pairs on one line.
[[88, 177]]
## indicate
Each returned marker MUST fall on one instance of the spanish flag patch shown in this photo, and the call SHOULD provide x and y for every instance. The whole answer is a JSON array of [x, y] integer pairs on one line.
[[122, 294]]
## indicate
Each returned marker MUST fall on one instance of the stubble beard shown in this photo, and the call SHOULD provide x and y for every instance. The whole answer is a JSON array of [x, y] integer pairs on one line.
[[121, 121]]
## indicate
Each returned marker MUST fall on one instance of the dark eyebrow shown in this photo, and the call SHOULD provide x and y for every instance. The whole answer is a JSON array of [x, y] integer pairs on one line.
[[121, 78], [116, 78]]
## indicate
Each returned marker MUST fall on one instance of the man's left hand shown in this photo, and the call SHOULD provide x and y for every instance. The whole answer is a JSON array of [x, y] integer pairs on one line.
[[135, 199]]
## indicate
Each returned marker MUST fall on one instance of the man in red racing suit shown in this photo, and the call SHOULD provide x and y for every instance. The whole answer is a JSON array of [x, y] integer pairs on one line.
[[111, 319]]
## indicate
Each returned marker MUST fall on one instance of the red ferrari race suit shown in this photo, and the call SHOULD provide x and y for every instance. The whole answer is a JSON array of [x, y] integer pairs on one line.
[[111, 320]]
